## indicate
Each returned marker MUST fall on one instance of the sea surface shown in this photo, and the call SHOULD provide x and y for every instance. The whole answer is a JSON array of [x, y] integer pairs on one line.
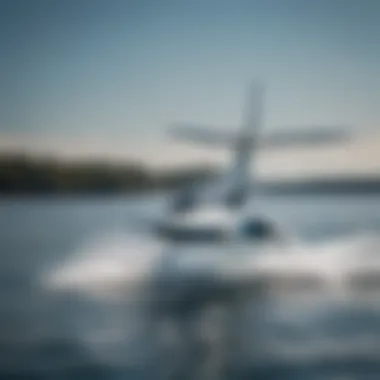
[[44, 335]]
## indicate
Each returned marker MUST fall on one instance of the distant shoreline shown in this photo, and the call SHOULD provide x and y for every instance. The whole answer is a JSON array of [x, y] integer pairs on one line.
[[339, 186], [346, 187], [23, 176]]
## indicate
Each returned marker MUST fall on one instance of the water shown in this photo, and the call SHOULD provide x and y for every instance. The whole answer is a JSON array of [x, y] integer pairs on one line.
[[45, 335]]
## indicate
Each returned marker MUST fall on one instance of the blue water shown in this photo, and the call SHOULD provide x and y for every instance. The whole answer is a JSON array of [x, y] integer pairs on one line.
[[43, 336]]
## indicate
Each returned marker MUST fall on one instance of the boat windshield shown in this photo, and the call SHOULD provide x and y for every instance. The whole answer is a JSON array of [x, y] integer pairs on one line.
[[258, 229]]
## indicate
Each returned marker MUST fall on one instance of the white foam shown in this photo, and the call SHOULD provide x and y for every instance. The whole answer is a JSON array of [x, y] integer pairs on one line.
[[112, 265], [109, 265]]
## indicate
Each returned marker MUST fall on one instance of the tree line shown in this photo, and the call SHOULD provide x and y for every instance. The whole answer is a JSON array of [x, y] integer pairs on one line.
[[22, 174]]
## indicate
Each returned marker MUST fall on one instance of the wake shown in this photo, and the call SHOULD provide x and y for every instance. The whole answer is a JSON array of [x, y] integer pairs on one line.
[[301, 287]]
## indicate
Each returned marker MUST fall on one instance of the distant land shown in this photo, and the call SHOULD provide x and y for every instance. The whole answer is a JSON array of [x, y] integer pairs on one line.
[[339, 186], [26, 175]]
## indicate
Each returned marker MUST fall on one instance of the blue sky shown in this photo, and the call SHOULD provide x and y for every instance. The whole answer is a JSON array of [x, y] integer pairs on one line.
[[130, 67]]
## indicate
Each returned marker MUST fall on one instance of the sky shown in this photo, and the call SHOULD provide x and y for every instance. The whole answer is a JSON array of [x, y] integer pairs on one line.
[[103, 76]]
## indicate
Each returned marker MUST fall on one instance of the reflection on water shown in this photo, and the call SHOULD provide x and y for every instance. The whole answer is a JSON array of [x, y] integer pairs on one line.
[[297, 333]]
